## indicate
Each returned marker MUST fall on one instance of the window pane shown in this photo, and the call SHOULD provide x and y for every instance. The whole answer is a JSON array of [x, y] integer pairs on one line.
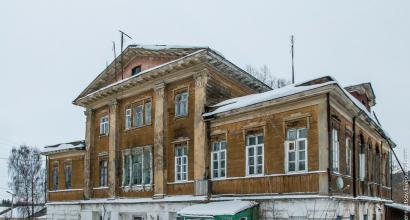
[[302, 155], [251, 141], [259, 159], [259, 169], [251, 170], [292, 166], [291, 134], [222, 155], [215, 156], [215, 146], [148, 112], [223, 173], [223, 145], [302, 166], [291, 156], [250, 151], [302, 145], [215, 173], [147, 166], [215, 164], [222, 164], [292, 146], [260, 150], [302, 133], [260, 139]]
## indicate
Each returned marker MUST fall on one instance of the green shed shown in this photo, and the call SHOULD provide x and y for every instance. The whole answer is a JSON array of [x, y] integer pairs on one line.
[[225, 210]]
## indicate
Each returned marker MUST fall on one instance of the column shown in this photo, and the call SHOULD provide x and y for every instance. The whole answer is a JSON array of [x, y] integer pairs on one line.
[[160, 115], [89, 144], [113, 148], [200, 136], [323, 147]]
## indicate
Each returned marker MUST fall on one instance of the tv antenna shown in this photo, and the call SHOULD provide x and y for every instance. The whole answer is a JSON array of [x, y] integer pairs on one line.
[[122, 49], [292, 42]]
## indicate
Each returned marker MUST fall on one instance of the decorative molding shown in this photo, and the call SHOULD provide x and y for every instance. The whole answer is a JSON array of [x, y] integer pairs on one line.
[[201, 78], [114, 104], [159, 90], [88, 112]]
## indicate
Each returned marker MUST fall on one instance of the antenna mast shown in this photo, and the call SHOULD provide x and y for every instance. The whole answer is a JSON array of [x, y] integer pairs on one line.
[[293, 65], [122, 49]]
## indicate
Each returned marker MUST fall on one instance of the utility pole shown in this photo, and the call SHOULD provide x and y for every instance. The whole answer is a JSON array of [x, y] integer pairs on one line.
[[293, 65], [122, 49]]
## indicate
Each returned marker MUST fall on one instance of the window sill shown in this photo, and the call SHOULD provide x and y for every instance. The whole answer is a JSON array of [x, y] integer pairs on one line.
[[137, 188], [219, 178], [103, 135], [181, 182], [255, 175], [134, 128], [297, 172], [101, 187], [176, 117]]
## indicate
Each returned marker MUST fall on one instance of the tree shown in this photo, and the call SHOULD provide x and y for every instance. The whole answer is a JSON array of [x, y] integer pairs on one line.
[[265, 76], [26, 177]]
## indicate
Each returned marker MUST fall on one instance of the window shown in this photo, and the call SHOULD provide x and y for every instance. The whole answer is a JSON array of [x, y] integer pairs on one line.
[[254, 154], [55, 176], [362, 159], [138, 119], [137, 218], [296, 150], [218, 158], [104, 126], [335, 150], [135, 70], [103, 172], [67, 174], [348, 156], [148, 112], [181, 104], [137, 167], [128, 118], [181, 162]]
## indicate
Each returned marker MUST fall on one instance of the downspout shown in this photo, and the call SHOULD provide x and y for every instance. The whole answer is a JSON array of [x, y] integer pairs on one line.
[[354, 157], [329, 143]]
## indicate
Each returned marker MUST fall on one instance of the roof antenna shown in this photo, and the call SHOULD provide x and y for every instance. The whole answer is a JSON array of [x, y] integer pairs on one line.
[[115, 58], [122, 49], [293, 65]]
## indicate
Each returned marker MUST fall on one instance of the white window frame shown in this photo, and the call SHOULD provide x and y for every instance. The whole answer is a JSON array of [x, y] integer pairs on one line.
[[138, 118], [147, 112], [128, 117], [181, 159], [129, 155], [335, 151], [55, 176], [255, 149], [68, 171], [104, 125], [348, 156], [296, 150], [103, 176], [181, 104], [218, 153]]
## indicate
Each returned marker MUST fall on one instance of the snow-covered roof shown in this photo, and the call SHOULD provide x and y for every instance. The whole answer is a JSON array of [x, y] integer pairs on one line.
[[292, 89], [76, 145], [217, 208], [402, 207]]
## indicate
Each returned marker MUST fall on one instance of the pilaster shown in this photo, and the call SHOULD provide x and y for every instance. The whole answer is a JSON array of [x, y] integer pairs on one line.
[[159, 141], [89, 144], [200, 136], [113, 148]]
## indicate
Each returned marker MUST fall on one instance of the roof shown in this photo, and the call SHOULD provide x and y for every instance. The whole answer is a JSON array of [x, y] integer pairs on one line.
[[366, 89], [63, 147], [183, 54], [235, 104], [217, 208], [399, 206]]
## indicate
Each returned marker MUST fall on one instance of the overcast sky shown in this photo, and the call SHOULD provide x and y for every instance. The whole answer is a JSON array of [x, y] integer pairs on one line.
[[50, 51]]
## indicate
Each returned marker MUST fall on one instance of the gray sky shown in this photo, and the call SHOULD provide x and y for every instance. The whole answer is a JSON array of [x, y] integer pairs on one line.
[[50, 51]]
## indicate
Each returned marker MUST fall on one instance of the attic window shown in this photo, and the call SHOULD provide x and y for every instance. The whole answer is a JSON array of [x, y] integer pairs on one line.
[[135, 70]]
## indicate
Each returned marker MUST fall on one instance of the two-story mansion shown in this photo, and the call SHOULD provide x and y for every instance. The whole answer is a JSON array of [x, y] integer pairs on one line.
[[172, 130]]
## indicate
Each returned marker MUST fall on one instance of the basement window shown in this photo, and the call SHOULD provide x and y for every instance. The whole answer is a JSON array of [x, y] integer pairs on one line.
[[135, 70]]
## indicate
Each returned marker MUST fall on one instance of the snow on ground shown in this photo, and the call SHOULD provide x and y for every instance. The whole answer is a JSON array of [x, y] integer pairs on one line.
[[217, 208]]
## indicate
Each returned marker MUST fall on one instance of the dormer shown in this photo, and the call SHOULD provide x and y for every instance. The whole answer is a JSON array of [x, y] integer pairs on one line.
[[364, 93]]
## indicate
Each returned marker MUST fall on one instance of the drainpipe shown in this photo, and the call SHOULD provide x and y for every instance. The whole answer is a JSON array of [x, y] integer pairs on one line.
[[354, 157], [329, 134]]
